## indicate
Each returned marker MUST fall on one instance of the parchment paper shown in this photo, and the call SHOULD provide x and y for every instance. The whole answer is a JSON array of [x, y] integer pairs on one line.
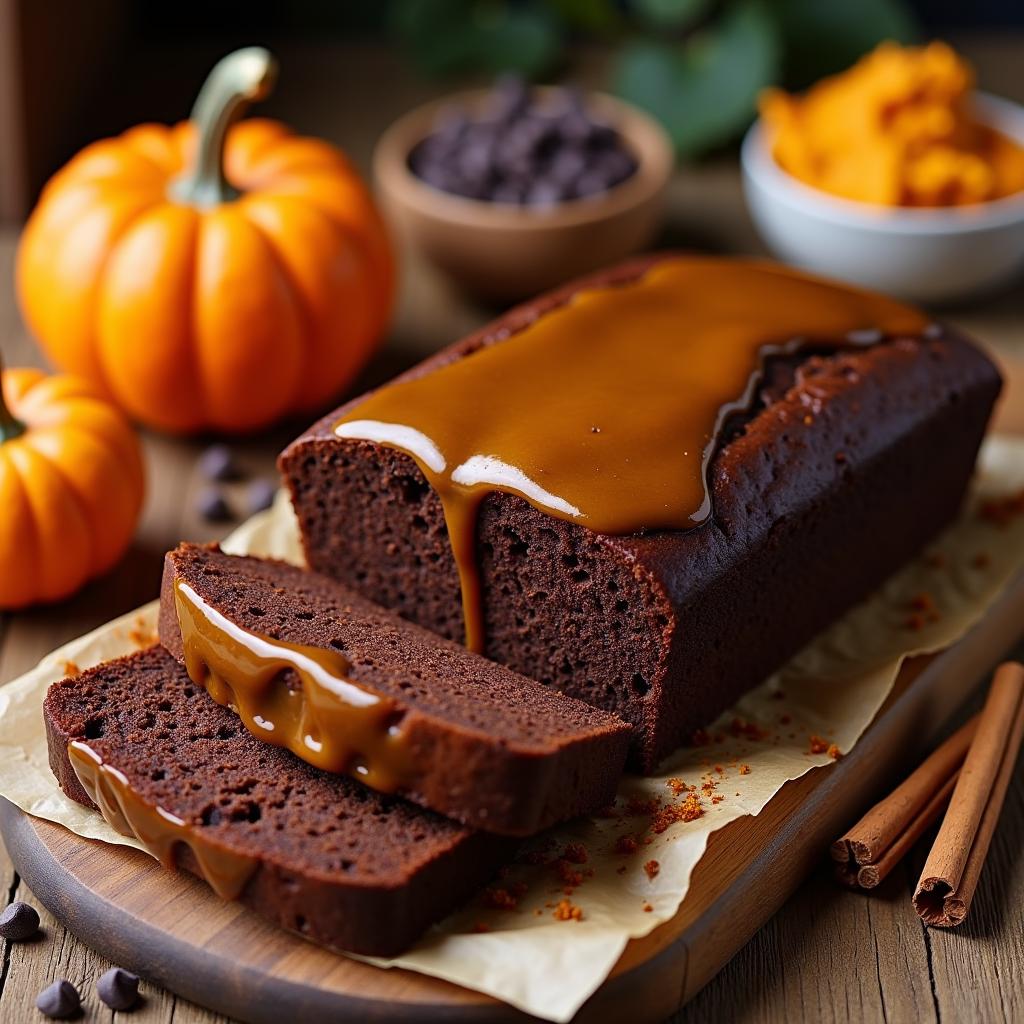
[[548, 933]]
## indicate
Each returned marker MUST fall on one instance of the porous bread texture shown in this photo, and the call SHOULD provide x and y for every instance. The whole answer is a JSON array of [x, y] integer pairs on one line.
[[488, 746], [337, 863]]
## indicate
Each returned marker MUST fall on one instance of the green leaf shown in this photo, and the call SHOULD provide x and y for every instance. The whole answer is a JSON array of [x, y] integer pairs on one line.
[[520, 39], [594, 17], [705, 91], [671, 14], [449, 36], [821, 37]]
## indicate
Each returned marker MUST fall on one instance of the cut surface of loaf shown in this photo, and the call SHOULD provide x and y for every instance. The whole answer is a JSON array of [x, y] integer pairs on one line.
[[318, 854], [448, 729], [846, 464]]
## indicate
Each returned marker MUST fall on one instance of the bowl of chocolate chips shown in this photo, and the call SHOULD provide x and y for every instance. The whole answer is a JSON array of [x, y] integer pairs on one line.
[[515, 189]]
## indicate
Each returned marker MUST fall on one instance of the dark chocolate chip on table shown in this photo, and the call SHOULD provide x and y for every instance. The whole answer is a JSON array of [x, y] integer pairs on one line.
[[19, 921], [212, 507], [59, 1000], [217, 463], [118, 988]]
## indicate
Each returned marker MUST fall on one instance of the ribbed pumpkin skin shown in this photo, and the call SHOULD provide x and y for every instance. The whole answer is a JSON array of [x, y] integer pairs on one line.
[[71, 487], [225, 318]]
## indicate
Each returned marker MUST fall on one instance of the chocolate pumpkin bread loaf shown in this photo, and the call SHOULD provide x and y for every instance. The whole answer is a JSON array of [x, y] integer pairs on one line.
[[650, 488], [315, 853], [352, 688]]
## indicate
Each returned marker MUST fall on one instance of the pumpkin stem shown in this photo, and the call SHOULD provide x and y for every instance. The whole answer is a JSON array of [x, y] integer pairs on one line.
[[235, 81], [10, 428]]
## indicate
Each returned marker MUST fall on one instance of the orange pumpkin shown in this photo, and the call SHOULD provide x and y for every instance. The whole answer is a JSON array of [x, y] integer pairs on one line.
[[71, 486], [209, 275]]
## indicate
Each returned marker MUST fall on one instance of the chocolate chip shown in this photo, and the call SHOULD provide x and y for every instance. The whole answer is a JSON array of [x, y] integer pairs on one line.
[[217, 463], [511, 97], [522, 151], [212, 507], [18, 922], [616, 166], [508, 192], [867, 336], [567, 166], [59, 1000], [545, 193], [260, 496], [594, 181], [118, 988]]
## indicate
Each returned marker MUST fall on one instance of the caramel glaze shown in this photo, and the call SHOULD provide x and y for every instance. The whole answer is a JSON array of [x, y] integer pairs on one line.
[[328, 720], [160, 832], [606, 411]]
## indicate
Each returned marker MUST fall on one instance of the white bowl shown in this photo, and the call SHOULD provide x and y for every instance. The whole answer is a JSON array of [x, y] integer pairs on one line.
[[930, 255]]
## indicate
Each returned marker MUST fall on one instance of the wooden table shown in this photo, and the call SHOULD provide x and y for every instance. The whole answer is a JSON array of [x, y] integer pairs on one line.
[[829, 955]]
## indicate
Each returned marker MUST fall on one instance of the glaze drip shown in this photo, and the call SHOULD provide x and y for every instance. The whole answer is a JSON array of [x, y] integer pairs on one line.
[[328, 720], [606, 411], [159, 831]]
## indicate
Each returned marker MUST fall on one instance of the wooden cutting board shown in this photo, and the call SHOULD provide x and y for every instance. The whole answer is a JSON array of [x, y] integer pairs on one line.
[[172, 930]]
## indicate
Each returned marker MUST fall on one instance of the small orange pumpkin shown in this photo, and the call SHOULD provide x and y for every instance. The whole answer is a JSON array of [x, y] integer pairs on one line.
[[71, 486], [210, 275]]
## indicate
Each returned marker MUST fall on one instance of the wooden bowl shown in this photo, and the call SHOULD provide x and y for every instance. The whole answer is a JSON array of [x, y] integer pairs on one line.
[[504, 251]]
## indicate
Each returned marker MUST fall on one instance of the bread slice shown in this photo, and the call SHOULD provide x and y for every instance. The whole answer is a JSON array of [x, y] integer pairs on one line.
[[447, 728], [317, 854]]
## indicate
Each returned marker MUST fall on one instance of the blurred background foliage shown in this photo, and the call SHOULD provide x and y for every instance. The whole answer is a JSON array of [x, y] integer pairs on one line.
[[697, 65]]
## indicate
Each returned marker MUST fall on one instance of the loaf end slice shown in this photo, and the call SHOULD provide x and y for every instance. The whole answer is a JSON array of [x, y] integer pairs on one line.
[[317, 854]]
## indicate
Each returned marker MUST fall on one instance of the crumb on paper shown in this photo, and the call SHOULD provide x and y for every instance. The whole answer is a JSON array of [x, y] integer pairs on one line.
[[1002, 511], [481, 928], [818, 745], [922, 610], [566, 910], [70, 669], [647, 908], [688, 809], [502, 898], [568, 874], [638, 805], [575, 853], [744, 769], [834, 752], [699, 738], [626, 844], [141, 634], [651, 868], [742, 729]]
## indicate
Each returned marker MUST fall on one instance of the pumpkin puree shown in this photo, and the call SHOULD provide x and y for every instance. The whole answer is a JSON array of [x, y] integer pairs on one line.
[[895, 129]]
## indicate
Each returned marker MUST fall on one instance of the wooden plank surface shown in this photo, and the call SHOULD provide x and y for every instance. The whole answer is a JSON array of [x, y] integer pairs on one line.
[[828, 955]]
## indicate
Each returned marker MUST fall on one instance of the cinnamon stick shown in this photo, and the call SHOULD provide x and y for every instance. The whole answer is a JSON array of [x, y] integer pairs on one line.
[[869, 876], [950, 875], [904, 810]]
